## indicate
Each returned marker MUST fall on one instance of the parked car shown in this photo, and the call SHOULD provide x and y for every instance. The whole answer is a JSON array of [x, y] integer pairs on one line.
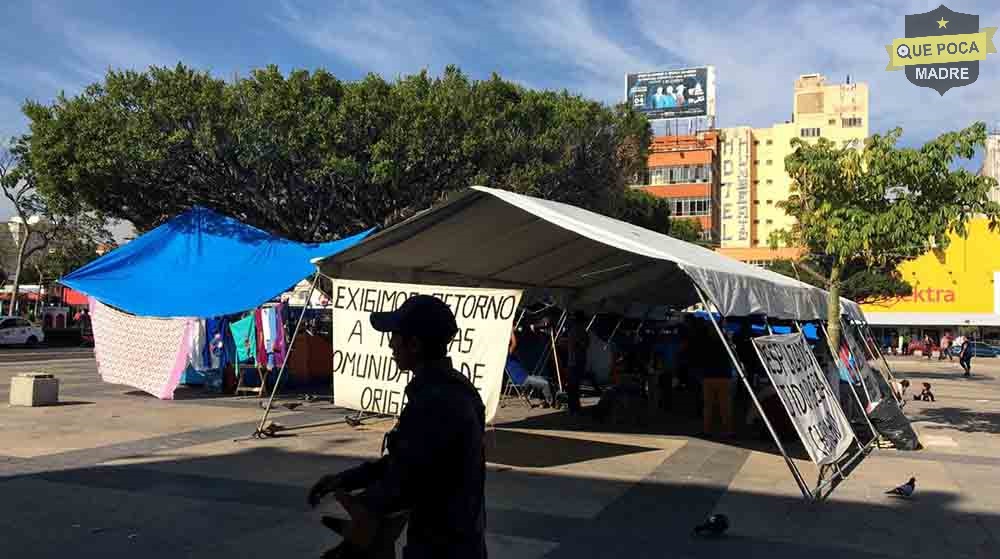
[[18, 331], [979, 349]]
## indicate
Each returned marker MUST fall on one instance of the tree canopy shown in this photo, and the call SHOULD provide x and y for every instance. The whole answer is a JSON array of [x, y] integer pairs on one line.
[[860, 283], [874, 208], [311, 157], [689, 230]]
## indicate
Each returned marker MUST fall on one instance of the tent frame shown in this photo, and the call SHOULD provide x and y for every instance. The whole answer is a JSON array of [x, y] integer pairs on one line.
[[825, 484], [260, 432]]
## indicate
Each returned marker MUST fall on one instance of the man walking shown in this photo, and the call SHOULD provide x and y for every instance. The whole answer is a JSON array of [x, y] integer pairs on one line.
[[965, 357], [435, 467]]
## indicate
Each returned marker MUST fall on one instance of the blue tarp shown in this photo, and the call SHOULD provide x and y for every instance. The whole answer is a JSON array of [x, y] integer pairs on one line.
[[200, 264]]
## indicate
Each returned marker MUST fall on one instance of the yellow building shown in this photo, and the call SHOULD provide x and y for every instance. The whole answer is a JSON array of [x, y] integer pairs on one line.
[[838, 112], [954, 287]]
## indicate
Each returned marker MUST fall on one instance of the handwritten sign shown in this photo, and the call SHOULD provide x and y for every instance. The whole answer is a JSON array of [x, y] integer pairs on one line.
[[365, 376], [803, 390]]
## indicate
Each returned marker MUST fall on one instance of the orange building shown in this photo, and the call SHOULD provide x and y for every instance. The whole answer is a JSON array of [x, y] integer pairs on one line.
[[685, 169]]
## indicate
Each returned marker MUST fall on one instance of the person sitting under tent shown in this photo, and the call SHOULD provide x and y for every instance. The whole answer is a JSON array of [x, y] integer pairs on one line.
[[522, 378]]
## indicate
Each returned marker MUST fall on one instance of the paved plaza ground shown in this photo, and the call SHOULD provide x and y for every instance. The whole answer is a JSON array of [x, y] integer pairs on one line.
[[112, 473]]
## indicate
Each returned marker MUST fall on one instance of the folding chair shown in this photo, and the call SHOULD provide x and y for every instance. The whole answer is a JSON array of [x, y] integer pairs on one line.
[[513, 389], [262, 374]]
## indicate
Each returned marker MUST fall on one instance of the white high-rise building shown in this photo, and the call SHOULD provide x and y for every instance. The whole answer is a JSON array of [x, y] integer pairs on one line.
[[991, 162]]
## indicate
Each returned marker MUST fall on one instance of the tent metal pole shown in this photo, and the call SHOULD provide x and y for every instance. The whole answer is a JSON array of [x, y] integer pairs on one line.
[[857, 397], [288, 353], [753, 396], [857, 363], [862, 449], [865, 331], [613, 332], [555, 354]]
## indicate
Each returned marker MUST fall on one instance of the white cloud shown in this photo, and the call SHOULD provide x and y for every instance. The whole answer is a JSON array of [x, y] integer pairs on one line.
[[566, 34], [91, 48], [389, 40]]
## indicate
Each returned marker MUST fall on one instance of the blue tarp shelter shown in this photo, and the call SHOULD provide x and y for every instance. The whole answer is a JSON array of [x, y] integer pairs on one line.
[[200, 264]]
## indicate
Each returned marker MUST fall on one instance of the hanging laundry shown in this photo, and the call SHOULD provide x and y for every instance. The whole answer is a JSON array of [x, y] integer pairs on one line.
[[279, 334], [268, 327], [199, 346], [245, 338], [261, 349], [222, 350], [145, 353]]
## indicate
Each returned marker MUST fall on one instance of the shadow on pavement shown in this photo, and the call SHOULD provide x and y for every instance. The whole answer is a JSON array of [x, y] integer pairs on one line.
[[531, 450], [253, 503], [960, 419], [668, 425]]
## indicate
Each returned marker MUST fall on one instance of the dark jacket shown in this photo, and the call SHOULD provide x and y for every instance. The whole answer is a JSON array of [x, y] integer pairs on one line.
[[435, 467]]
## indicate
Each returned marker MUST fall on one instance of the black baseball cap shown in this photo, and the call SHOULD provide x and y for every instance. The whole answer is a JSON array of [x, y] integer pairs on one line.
[[422, 316]]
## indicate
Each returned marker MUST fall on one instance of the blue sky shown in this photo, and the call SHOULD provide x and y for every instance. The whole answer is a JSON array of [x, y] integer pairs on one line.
[[759, 48]]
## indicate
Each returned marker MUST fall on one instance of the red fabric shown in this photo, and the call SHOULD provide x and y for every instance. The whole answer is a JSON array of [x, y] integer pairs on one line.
[[73, 297], [261, 350]]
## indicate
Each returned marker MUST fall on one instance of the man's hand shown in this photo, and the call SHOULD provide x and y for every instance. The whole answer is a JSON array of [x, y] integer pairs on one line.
[[325, 485], [361, 530]]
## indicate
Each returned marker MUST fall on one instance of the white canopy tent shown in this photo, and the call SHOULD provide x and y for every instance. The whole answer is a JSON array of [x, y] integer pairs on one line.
[[493, 238], [484, 237]]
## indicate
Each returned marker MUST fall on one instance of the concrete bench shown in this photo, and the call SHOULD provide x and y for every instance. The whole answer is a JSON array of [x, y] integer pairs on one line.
[[34, 389]]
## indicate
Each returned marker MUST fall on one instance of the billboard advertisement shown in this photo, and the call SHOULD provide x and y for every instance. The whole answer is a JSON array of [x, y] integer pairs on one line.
[[687, 92]]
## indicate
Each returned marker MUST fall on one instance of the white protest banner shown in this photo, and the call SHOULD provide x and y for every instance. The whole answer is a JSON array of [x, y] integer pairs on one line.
[[802, 387], [365, 377]]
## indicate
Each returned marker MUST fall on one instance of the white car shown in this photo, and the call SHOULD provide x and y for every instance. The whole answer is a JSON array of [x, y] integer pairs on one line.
[[18, 331]]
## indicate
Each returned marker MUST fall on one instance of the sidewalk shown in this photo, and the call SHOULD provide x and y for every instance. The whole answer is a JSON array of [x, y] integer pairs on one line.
[[175, 484]]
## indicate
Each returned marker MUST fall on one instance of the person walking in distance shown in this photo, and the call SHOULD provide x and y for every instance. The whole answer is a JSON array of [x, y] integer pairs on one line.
[[435, 465], [965, 356]]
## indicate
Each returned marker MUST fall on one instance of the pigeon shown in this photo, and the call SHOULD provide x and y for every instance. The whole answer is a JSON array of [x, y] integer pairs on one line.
[[716, 525], [905, 490]]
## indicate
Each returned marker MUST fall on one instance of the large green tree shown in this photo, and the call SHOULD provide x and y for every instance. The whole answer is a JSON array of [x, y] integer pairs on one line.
[[881, 205], [311, 157]]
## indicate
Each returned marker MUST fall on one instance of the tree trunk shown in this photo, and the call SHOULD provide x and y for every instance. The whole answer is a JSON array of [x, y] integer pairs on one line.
[[833, 311], [21, 246]]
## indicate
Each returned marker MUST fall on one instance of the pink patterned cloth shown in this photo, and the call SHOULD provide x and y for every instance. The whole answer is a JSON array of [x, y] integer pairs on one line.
[[145, 353]]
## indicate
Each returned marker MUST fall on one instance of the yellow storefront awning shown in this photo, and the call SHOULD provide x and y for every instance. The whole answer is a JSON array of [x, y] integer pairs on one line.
[[931, 319]]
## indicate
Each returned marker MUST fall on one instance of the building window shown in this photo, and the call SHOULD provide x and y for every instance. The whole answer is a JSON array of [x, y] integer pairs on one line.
[[727, 167], [769, 222], [769, 202], [769, 162], [769, 142], [756, 142], [686, 207], [769, 181], [810, 132], [853, 122], [756, 222], [756, 161], [680, 174], [757, 181], [832, 121], [756, 202]]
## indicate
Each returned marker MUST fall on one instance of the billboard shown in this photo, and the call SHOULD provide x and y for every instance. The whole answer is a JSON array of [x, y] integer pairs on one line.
[[687, 92]]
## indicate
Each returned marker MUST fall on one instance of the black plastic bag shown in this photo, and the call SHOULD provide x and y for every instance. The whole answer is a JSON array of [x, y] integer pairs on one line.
[[892, 424]]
